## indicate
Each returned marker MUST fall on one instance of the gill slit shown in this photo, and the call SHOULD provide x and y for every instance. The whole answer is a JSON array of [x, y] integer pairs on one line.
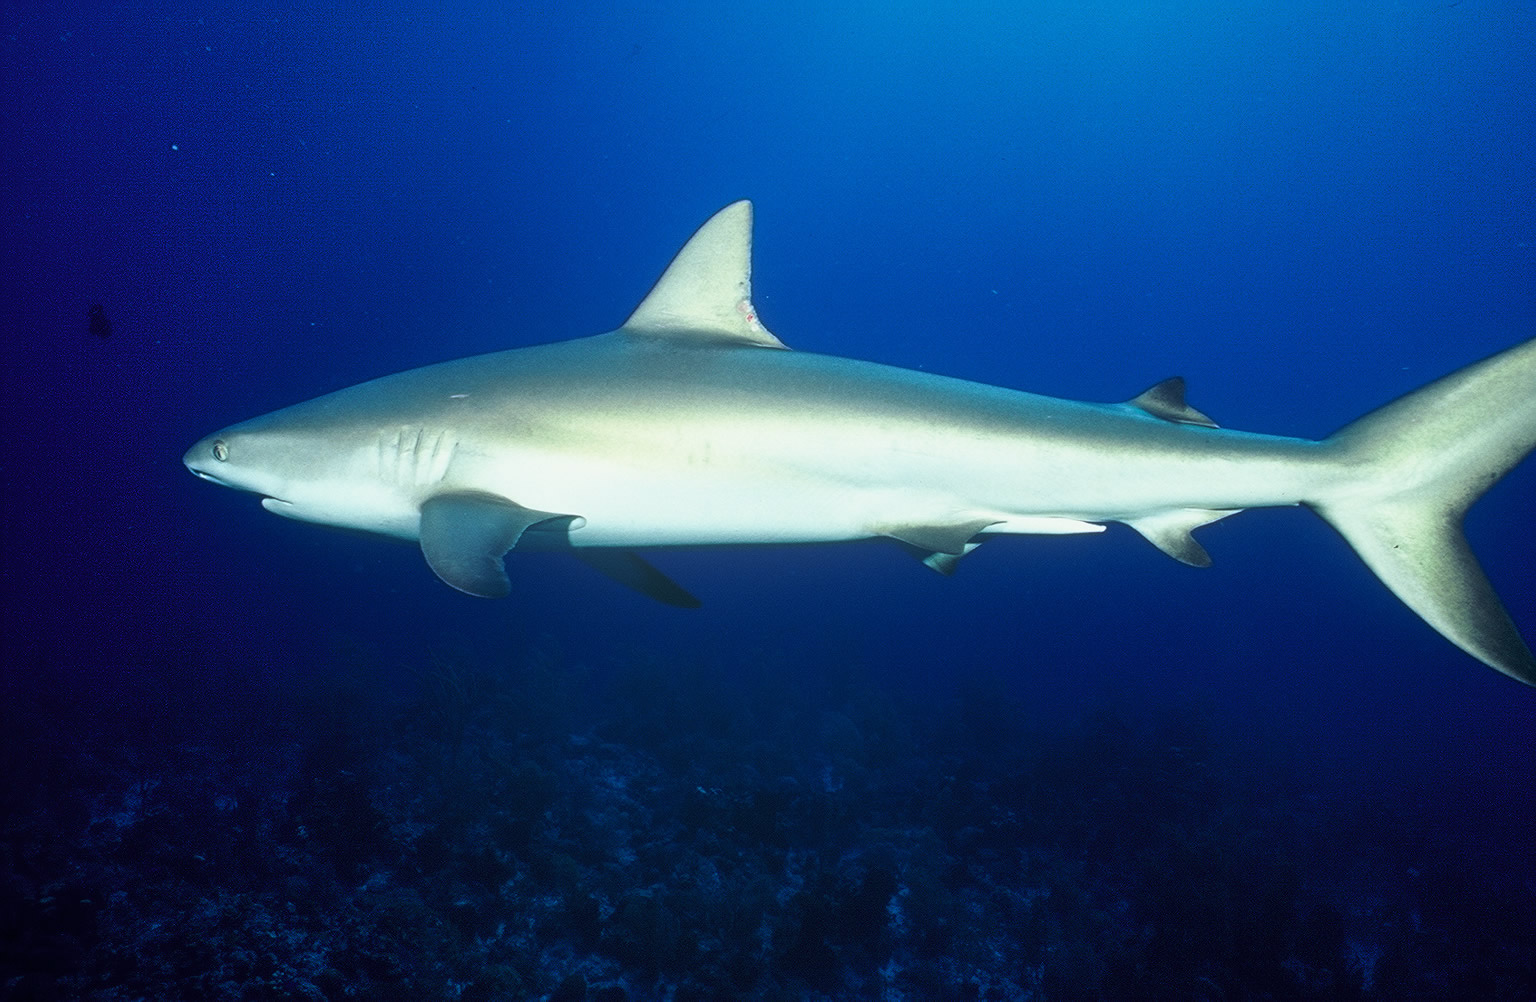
[[414, 457]]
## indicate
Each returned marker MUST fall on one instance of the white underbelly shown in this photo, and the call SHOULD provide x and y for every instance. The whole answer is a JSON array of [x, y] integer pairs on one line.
[[690, 506]]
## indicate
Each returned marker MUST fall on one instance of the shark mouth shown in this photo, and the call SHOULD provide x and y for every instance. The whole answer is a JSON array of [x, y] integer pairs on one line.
[[205, 475]]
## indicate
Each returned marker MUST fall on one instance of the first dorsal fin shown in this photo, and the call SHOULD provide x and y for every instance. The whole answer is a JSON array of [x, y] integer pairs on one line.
[[706, 292], [1166, 401]]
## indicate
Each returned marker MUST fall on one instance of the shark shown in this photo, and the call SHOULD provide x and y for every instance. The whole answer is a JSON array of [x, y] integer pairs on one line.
[[692, 424]]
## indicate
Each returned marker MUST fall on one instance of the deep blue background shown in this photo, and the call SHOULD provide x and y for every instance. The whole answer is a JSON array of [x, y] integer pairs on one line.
[[1305, 211]]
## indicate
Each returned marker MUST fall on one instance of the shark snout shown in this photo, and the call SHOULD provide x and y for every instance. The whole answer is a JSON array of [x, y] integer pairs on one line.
[[204, 457], [210, 459]]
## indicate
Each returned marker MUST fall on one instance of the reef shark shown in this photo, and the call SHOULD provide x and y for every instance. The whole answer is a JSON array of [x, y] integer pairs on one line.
[[692, 424]]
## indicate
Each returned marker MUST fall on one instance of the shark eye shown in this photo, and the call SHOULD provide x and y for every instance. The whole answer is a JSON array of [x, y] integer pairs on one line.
[[220, 451]]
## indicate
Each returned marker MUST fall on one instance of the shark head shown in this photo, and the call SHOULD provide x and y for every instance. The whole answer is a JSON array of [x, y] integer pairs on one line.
[[309, 467]]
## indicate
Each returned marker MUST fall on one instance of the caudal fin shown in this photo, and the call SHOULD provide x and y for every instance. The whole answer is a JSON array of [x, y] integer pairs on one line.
[[1412, 469]]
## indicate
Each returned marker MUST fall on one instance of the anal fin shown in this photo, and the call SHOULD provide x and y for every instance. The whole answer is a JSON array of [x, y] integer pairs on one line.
[[1169, 531]]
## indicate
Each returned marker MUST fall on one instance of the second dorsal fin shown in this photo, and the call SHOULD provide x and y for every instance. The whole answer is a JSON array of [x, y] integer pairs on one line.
[[1166, 401]]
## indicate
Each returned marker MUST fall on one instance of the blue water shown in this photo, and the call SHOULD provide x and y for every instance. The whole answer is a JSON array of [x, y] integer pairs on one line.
[[1304, 210]]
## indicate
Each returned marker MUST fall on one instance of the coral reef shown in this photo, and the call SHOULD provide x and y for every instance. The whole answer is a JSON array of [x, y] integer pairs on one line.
[[663, 831]]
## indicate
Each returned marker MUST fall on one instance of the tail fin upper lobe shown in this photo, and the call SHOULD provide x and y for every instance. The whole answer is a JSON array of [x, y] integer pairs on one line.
[[1413, 469]]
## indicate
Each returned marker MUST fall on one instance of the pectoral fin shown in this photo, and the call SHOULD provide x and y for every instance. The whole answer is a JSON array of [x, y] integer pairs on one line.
[[465, 535], [633, 571]]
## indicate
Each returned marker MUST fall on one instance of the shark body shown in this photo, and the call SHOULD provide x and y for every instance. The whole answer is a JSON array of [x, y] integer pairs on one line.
[[691, 424]]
